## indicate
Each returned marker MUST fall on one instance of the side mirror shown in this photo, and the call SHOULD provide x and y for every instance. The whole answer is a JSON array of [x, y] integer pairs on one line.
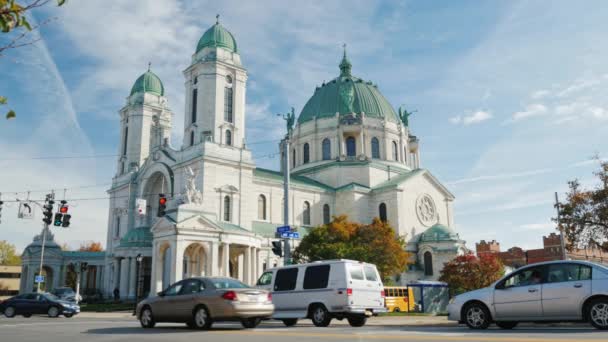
[[161, 294], [500, 286]]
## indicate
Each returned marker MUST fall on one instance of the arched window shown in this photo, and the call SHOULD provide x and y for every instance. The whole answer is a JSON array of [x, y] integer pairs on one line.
[[428, 264], [326, 147], [306, 151], [395, 151], [124, 146], [194, 99], [293, 158], [351, 147], [405, 155], [326, 214], [192, 138], [375, 148], [227, 208], [382, 212], [306, 214], [228, 100], [228, 137], [117, 227], [261, 207]]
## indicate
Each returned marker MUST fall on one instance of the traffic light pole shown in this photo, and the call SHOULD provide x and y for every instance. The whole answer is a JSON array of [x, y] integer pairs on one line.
[[46, 227], [286, 244]]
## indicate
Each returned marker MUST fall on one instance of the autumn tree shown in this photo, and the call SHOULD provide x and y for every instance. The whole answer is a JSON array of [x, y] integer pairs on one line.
[[14, 18], [8, 254], [468, 272], [375, 243], [91, 246], [584, 214]]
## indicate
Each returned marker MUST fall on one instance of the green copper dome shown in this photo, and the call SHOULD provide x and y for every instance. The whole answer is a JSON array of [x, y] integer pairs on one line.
[[137, 237], [148, 83], [217, 36], [347, 94], [439, 232]]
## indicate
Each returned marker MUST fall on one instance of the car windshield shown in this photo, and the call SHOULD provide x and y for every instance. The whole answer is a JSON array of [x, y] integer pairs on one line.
[[227, 283], [64, 291], [50, 296]]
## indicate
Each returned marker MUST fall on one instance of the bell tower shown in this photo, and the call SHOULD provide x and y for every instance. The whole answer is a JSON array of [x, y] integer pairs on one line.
[[215, 91]]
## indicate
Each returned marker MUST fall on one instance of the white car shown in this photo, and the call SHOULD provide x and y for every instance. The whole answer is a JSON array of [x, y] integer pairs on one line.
[[324, 290], [553, 291]]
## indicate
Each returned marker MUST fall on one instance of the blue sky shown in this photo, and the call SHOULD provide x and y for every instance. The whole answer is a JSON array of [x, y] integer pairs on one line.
[[510, 96]]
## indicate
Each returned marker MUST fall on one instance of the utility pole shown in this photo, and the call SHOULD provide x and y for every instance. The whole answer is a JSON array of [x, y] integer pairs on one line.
[[286, 244], [561, 229]]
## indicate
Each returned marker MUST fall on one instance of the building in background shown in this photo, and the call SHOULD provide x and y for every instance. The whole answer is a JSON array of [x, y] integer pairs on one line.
[[9, 281], [516, 257]]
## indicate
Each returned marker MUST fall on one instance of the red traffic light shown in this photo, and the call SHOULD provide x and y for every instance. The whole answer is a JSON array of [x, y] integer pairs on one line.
[[162, 200], [63, 209]]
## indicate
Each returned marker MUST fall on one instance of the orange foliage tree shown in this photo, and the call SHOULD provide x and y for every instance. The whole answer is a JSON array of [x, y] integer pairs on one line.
[[375, 243], [91, 246], [468, 272]]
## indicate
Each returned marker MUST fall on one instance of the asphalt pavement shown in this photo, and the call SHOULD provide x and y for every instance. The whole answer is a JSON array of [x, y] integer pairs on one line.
[[101, 327]]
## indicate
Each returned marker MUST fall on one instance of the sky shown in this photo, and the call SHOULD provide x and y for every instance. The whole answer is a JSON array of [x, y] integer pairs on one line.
[[509, 96]]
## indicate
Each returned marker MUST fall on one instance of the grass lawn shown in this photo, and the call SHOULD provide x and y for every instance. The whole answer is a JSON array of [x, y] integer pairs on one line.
[[107, 307]]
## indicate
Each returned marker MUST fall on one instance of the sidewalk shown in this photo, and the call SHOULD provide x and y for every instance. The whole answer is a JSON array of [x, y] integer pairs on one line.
[[377, 321]]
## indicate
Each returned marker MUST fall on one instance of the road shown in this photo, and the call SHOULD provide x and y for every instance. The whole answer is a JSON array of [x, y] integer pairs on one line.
[[91, 329]]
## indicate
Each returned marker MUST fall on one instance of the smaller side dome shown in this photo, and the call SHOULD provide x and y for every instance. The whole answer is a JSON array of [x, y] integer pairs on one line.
[[439, 232], [148, 83], [137, 237], [217, 36]]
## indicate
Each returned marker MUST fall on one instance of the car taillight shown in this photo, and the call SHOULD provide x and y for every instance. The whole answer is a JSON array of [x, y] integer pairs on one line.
[[230, 295], [269, 297], [382, 294], [349, 292]]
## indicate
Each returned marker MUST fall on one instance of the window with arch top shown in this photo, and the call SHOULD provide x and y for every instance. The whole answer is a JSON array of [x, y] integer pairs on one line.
[[375, 148], [351, 147], [227, 209], [293, 158], [228, 117], [326, 214], [192, 138], [306, 151], [306, 214], [228, 137], [428, 264], [261, 207], [395, 151], [382, 212], [326, 147]]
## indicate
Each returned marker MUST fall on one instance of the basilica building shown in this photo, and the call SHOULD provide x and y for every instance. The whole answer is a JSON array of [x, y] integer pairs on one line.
[[350, 153]]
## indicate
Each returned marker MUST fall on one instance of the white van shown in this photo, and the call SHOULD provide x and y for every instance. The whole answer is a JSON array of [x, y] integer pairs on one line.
[[324, 290]]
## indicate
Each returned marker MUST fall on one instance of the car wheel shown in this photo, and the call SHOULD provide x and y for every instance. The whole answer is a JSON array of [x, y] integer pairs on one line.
[[9, 312], [68, 315], [250, 323], [356, 321], [146, 319], [506, 325], [201, 319], [477, 316], [598, 313], [290, 322], [320, 316], [53, 311], [27, 315]]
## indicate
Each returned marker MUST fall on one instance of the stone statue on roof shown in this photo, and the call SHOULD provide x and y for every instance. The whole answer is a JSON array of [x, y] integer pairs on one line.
[[193, 195], [290, 118], [404, 116]]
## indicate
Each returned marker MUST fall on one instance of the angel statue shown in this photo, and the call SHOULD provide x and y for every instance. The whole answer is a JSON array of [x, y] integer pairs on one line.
[[290, 119], [193, 195], [404, 116]]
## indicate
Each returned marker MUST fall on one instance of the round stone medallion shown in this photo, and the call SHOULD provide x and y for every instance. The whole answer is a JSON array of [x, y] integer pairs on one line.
[[426, 210]]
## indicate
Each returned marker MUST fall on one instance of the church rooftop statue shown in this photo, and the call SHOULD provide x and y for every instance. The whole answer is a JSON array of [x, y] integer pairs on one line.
[[347, 94], [217, 36], [148, 83]]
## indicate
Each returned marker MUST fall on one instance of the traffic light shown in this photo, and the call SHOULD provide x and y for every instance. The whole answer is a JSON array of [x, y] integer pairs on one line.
[[48, 212], [66, 220], [62, 218], [1, 203], [277, 248], [83, 266], [64, 207], [58, 219], [162, 205]]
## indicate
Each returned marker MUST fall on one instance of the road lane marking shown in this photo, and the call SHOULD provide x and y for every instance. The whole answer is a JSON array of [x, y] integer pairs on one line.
[[441, 337]]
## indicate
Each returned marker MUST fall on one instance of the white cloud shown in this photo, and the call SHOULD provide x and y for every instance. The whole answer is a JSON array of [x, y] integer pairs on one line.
[[474, 118], [531, 110], [537, 226], [539, 94]]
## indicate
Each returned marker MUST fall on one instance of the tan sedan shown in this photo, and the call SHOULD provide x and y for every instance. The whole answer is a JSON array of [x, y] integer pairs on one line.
[[199, 302]]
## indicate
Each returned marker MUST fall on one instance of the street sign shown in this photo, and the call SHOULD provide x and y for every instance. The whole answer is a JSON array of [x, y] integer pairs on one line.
[[39, 279], [141, 206], [25, 211], [283, 229], [294, 235]]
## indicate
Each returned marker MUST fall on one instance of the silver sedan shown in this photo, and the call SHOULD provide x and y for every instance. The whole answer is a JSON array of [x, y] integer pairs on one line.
[[199, 302], [549, 291]]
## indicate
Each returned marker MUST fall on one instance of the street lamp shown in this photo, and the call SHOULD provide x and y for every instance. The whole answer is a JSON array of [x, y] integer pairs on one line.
[[139, 258]]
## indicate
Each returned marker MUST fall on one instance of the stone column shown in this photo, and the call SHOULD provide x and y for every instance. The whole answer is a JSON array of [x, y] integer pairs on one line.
[[214, 270], [226, 259], [98, 276], [240, 271], [155, 276], [116, 276], [260, 261], [132, 277], [254, 265], [247, 266], [56, 276], [177, 261], [124, 278], [84, 280]]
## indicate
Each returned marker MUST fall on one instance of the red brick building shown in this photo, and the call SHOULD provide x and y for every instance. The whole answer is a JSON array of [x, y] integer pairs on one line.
[[516, 257]]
